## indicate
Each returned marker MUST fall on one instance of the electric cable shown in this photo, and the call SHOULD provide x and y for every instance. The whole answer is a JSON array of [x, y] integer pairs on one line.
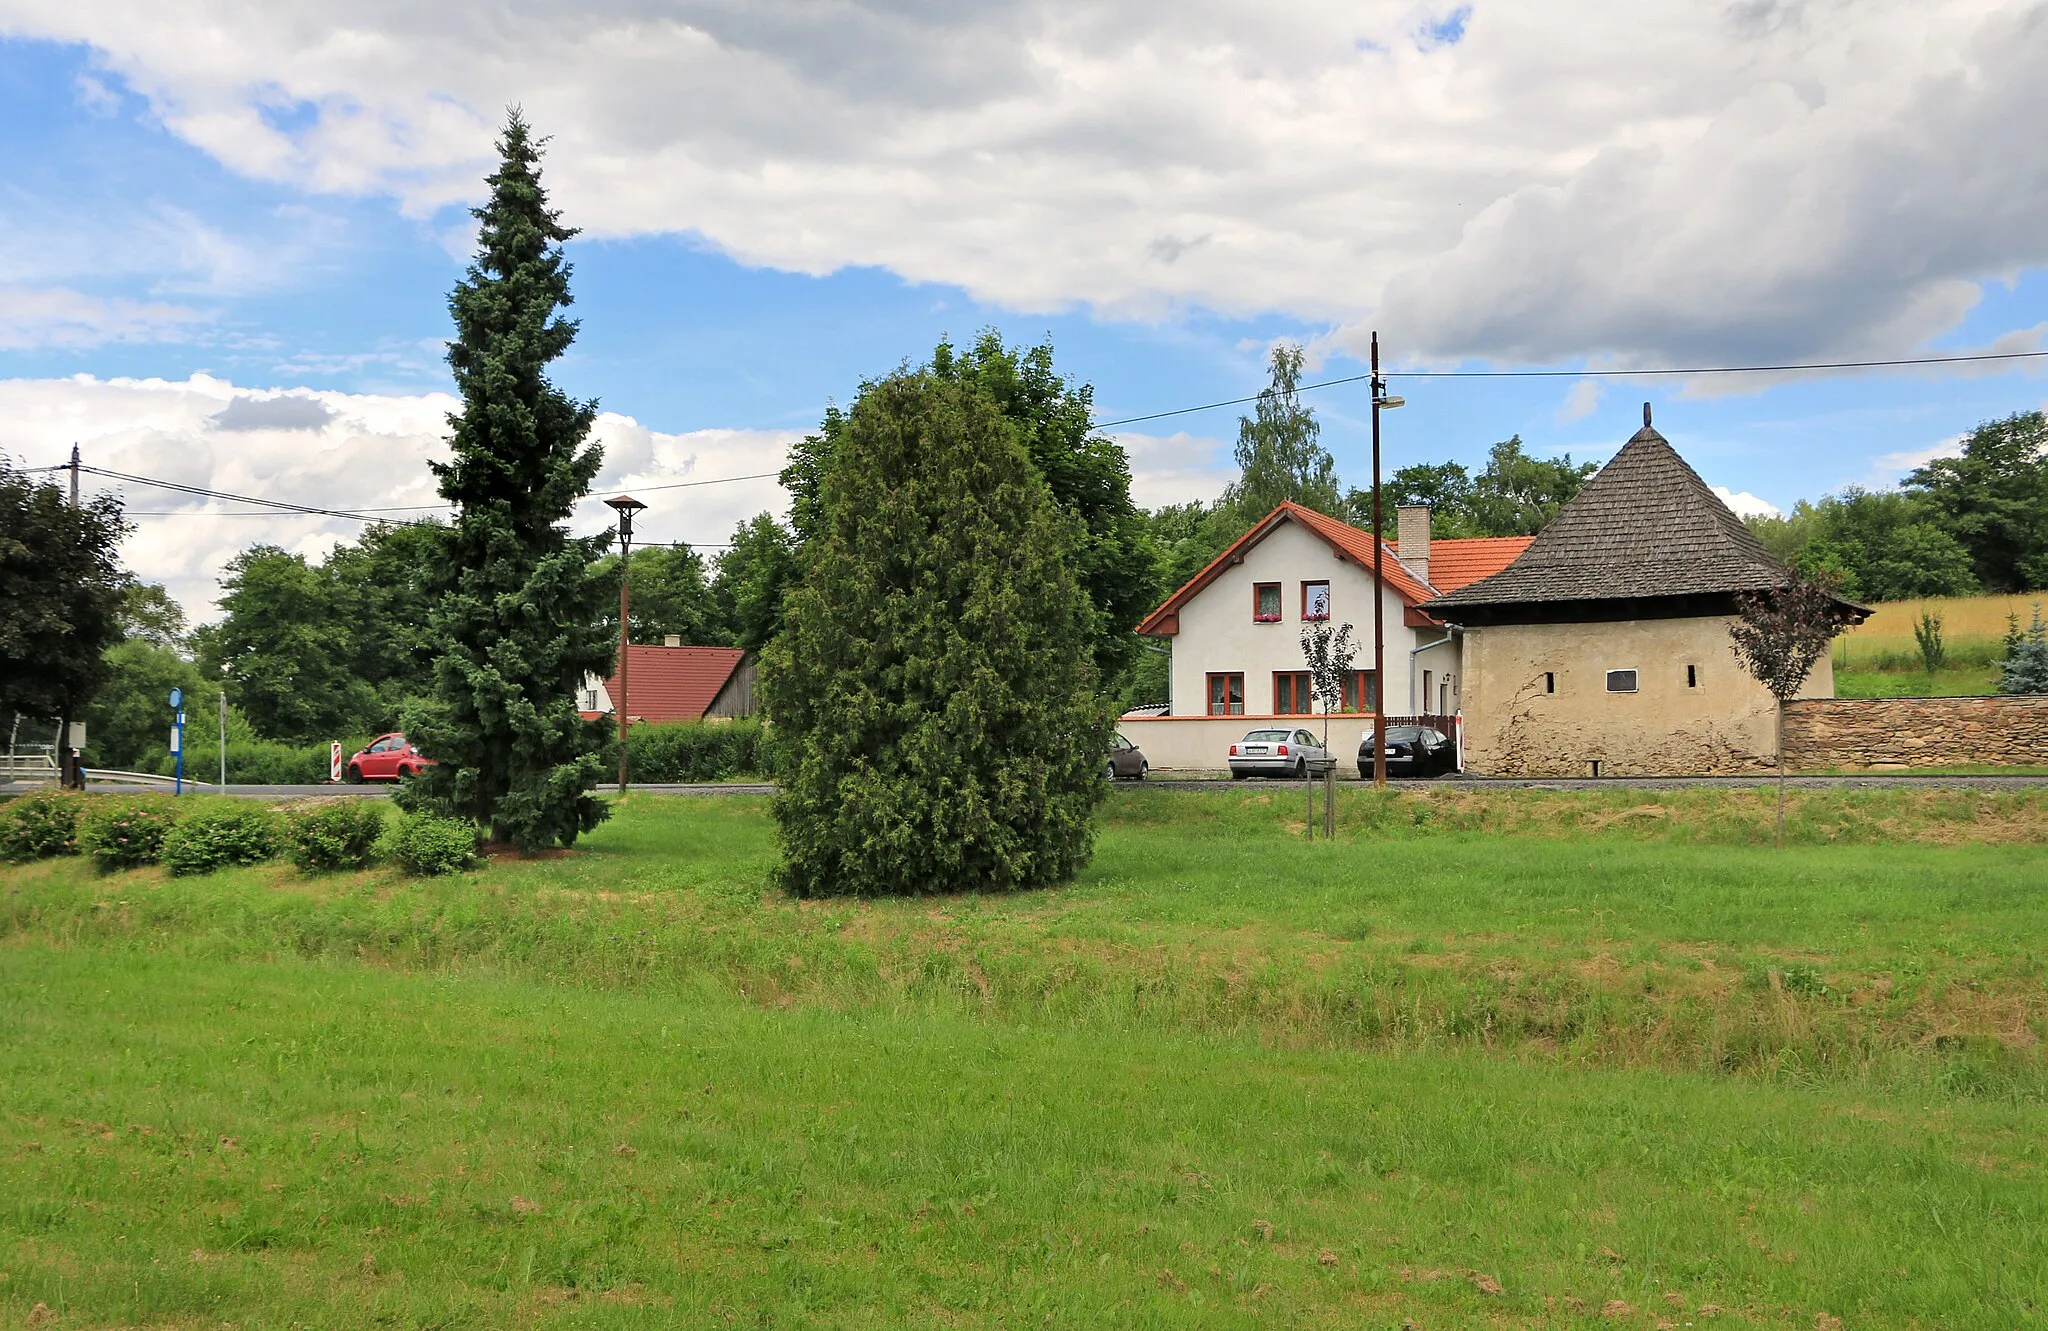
[[1595, 374]]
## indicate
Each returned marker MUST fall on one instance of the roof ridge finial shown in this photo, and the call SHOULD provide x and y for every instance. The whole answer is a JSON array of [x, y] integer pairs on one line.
[[1646, 415]]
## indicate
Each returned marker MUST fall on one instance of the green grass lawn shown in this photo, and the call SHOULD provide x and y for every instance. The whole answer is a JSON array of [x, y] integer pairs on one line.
[[1590, 1049], [1967, 681]]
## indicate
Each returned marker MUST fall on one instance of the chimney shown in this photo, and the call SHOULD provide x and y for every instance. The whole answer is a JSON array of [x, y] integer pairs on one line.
[[1411, 529], [671, 639]]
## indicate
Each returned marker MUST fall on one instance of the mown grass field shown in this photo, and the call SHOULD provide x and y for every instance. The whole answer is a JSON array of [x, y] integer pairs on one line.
[[1518, 1058]]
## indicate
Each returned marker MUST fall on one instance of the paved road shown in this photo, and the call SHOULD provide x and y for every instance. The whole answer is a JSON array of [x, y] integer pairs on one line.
[[1861, 781]]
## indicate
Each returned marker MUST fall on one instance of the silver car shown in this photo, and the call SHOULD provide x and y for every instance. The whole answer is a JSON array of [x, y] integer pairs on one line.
[[1274, 753]]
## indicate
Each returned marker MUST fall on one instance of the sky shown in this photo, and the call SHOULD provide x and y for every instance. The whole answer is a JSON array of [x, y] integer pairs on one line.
[[230, 230]]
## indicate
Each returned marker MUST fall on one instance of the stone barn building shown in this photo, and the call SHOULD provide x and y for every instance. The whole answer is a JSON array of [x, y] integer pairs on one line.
[[1603, 648]]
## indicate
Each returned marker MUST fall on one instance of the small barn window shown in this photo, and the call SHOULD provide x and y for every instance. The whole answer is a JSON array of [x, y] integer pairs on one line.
[[1621, 681], [1692, 677], [1550, 681]]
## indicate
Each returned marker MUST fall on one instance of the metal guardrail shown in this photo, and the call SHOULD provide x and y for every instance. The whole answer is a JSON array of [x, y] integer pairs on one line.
[[28, 773], [138, 778]]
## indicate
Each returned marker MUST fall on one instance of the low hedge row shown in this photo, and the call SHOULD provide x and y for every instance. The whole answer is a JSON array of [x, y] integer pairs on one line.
[[194, 836], [697, 751]]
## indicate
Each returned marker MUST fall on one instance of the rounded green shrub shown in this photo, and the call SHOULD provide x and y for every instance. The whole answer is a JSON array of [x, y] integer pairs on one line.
[[125, 831], [334, 835], [426, 846], [220, 838], [39, 825]]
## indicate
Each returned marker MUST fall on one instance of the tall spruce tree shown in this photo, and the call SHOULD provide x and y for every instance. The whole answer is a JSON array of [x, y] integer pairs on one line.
[[518, 604], [933, 683]]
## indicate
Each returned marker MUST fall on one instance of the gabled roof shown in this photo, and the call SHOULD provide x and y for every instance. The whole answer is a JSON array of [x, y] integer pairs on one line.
[[1463, 560], [1347, 541], [1645, 526], [674, 683]]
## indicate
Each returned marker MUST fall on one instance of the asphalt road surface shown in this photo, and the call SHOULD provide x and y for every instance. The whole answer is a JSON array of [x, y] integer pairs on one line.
[[1862, 781]]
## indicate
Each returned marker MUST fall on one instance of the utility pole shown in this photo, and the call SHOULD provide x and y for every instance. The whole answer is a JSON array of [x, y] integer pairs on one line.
[[625, 506], [65, 762], [1380, 402]]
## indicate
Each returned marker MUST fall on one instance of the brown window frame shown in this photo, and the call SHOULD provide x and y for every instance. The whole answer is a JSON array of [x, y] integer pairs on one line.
[[1278, 612], [1299, 694], [1306, 618], [1359, 693], [1209, 697]]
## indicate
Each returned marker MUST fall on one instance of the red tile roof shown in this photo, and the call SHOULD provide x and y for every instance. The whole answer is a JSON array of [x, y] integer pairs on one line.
[[1461, 560], [674, 683], [1347, 540]]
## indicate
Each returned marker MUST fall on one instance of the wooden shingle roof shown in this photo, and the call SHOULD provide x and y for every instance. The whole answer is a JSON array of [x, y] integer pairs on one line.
[[1646, 526]]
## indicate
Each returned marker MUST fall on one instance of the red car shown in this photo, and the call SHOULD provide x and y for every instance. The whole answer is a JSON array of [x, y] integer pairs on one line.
[[388, 758]]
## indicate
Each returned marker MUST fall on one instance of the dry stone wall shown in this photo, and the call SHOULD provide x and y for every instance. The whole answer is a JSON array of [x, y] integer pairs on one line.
[[1917, 732]]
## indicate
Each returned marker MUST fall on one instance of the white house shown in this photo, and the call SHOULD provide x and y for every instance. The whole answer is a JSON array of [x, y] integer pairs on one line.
[[1235, 631]]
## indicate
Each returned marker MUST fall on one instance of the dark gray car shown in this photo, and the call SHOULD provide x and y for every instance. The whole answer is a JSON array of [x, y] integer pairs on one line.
[[1126, 761]]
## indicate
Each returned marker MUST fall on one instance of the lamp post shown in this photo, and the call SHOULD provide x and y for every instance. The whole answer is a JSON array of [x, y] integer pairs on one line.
[[1380, 402], [625, 506]]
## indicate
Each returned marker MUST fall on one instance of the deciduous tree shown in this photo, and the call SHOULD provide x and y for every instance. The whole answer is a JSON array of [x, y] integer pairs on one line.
[[1280, 454], [62, 595], [1778, 636]]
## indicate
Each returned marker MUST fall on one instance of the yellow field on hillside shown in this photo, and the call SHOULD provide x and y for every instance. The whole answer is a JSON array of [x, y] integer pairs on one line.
[[1964, 620]]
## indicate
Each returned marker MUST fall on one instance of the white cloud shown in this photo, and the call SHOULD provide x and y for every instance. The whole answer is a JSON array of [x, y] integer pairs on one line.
[[1178, 468], [1656, 179], [1747, 505], [1890, 468], [32, 317], [1580, 401], [338, 451]]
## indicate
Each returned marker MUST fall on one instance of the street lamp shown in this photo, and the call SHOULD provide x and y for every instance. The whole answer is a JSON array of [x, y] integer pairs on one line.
[[625, 506], [1381, 401]]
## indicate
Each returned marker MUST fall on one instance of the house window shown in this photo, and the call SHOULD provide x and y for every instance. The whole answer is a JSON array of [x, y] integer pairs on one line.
[[1550, 681], [1359, 693], [1226, 695], [1315, 600], [1265, 603], [1692, 677], [1621, 681], [1291, 695], [1426, 681], [590, 700]]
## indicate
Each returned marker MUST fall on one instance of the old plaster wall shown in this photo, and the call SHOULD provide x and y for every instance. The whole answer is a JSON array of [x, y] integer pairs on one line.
[[1917, 732], [1720, 720]]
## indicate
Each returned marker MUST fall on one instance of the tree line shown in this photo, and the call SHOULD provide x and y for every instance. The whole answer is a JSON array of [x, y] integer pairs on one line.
[[1954, 527]]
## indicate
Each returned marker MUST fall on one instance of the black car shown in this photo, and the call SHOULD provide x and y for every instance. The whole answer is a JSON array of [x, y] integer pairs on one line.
[[1411, 751]]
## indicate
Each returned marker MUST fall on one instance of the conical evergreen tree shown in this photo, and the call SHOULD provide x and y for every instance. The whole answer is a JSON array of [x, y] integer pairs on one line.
[[518, 609], [933, 686]]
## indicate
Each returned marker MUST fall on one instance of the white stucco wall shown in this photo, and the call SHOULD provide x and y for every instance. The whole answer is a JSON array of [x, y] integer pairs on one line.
[[1217, 632]]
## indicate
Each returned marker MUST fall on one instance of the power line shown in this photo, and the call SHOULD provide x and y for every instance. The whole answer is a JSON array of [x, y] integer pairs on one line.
[[235, 498], [684, 485], [1596, 374]]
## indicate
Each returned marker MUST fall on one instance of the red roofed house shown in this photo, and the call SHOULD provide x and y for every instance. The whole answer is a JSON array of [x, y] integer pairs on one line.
[[1235, 630], [676, 683]]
